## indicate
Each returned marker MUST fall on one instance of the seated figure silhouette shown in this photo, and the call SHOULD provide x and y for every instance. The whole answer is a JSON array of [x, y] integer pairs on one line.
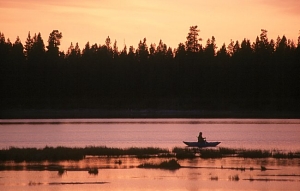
[[200, 138]]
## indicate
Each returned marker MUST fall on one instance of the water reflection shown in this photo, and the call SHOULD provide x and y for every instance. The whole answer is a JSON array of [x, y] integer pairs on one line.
[[116, 173]]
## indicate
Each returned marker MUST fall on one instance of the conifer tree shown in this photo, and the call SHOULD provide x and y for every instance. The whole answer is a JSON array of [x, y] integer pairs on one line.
[[53, 43], [18, 51], [28, 45], [142, 51], [192, 44]]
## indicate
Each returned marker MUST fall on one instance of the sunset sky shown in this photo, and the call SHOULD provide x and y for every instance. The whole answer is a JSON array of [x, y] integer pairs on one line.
[[131, 20]]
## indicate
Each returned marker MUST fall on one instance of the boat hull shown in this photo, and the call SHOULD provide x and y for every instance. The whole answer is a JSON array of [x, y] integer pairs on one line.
[[204, 144]]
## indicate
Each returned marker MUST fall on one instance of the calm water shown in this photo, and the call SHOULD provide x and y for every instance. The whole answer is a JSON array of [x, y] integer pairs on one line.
[[197, 174], [166, 133]]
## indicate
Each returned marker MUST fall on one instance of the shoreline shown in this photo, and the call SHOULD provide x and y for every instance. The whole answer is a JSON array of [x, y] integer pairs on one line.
[[143, 113]]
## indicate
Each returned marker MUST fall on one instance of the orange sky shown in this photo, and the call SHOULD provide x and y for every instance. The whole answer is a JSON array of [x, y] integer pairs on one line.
[[131, 20]]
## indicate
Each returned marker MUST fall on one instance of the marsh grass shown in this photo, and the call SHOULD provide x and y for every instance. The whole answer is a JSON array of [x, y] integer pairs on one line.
[[252, 153], [66, 153], [227, 151], [263, 168], [61, 171], [245, 153], [234, 178], [216, 178], [210, 153], [93, 171], [278, 154], [184, 153], [170, 165]]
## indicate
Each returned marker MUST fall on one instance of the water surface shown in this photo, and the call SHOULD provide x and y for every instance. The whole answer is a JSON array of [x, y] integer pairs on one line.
[[123, 174], [166, 133], [196, 174]]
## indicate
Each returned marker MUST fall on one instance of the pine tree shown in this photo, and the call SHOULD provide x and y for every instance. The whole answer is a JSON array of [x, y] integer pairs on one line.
[[115, 50], [54, 39], [18, 51], [53, 43], [210, 48], [192, 44], [222, 53], [142, 51], [37, 53], [28, 45]]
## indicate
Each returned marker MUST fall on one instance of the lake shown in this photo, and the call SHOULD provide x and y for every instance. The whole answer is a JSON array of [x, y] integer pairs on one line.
[[165, 133], [230, 173]]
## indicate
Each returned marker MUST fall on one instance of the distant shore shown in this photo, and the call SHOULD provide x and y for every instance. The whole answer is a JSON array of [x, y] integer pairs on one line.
[[142, 113]]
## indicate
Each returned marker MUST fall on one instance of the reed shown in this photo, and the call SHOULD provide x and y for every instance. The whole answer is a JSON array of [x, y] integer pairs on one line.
[[263, 168], [216, 178], [252, 153], [227, 151], [289, 155], [93, 171], [66, 153], [184, 153], [170, 165], [234, 178], [210, 153]]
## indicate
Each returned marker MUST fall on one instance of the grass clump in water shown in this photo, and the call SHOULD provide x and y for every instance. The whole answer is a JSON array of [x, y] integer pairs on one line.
[[93, 171], [227, 151], [216, 178], [289, 155], [255, 154], [210, 153], [170, 165], [263, 168], [184, 153], [234, 178]]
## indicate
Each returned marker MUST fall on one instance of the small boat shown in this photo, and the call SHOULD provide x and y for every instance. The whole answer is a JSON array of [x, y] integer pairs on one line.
[[201, 144]]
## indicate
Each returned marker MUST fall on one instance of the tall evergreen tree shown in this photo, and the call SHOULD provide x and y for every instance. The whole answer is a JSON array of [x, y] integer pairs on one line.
[[142, 51], [192, 43], [108, 43], [210, 48], [123, 53], [18, 51], [53, 44], [222, 53], [230, 48], [54, 40], [180, 52], [38, 49], [87, 49], [115, 50], [169, 54], [245, 50], [3, 48], [28, 45], [152, 52]]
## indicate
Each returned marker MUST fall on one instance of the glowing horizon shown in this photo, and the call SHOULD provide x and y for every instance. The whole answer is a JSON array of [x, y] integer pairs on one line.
[[130, 21]]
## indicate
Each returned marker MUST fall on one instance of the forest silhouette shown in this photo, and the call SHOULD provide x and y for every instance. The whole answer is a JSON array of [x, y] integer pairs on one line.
[[242, 76]]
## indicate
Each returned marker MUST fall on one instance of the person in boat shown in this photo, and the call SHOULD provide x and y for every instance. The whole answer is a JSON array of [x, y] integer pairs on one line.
[[200, 138]]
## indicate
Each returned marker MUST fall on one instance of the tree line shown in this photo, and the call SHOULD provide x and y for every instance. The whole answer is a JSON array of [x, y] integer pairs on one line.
[[263, 74]]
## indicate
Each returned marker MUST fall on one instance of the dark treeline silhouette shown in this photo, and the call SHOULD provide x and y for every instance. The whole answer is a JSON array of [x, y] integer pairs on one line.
[[242, 76]]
